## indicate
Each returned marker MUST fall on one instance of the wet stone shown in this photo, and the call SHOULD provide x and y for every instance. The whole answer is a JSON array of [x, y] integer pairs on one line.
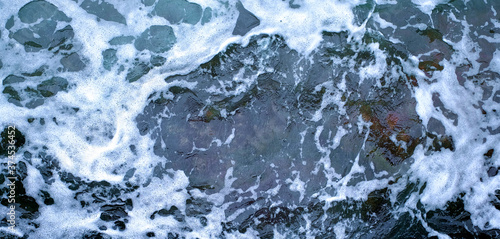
[[413, 39], [35, 10], [207, 15], [50, 87], [401, 122], [62, 36], [173, 211], [10, 23], [72, 62], [173, 235], [430, 66], [10, 135], [362, 12], [402, 13], [446, 112], [431, 33], [27, 207], [246, 21], [157, 39], [178, 11], [129, 174], [121, 40], [203, 221], [496, 96], [37, 72], [436, 126], [47, 199], [73, 182], [293, 5], [119, 225], [113, 212], [492, 171], [157, 60], [273, 140], [440, 142], [196, 207], [43, 35], [109, 58], [140, 69], [13, 79], [454, 221], [489, 153], [12, 95], [95, 235], [451, 30], [28, 97], [103, 10], [27, 37], [34, 103], [148, 3]]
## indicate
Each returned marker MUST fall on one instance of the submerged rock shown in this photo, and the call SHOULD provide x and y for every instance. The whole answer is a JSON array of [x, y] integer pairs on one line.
[[148, 3], [121, 40], [207, 15], [50, 87], [29, 97], [103, 10], [109, 58], [27, 37], [43, 36], [95, 235], [395, 132], [13, 79], [246, 21], [136, 72], [37, 72], [157, 39], [32, 11], [178, 11], [113, 212], [72, 62], [12, 95], [9, 135], [39, 30], [10, 23], [157, 60]]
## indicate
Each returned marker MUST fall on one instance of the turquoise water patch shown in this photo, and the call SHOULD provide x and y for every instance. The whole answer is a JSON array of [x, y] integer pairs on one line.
[[121, 40], [109, 58], [103, 10], [72, 62], [33, 11], [157, 39], [178, 11], [246, 21]]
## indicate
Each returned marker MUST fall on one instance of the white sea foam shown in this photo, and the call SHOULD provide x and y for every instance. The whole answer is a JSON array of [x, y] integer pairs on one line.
[[426, 6]]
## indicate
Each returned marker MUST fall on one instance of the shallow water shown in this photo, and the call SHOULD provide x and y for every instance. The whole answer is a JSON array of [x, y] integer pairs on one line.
[[250, 119]]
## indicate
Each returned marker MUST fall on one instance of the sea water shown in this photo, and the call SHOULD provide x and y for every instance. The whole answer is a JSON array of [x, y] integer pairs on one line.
[[250, 119]]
